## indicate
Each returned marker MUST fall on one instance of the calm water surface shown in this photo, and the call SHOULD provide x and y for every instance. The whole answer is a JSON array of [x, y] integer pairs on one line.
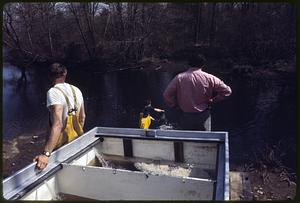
[[259, 113]]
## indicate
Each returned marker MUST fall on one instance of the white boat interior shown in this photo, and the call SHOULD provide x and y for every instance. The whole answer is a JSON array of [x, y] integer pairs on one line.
[[130, 164]]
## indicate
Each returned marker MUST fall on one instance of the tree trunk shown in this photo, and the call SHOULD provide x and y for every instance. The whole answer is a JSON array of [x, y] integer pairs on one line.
[[13, 34], [50, 42], [29, 39], [106, 26], [49, 36], [88, 10], [141, 47], [74, 12], [26, 11], [212, 26], [45, 11], [121, 23], [198, 22]]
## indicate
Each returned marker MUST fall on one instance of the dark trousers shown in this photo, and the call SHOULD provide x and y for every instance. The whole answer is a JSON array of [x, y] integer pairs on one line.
[[196, 121]]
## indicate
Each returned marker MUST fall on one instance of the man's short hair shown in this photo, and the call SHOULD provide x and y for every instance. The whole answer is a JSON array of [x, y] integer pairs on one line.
[[147, 102], [56, 70], [196, 60]]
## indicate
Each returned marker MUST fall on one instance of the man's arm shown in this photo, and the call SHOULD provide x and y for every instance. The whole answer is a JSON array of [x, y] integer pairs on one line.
[[158, 110], [82, 115], [221, 89], [170, 93], [56, 112]]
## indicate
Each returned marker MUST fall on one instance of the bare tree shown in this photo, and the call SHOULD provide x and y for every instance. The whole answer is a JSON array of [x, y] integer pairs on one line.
[[119, 8], [27, 12], [212, 25], [198, 22], [8, 26], [46, 11], [130, 31], [89, 11], [75, 12]]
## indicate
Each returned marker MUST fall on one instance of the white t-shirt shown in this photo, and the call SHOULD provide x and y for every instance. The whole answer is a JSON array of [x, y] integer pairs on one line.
[[55, 96]]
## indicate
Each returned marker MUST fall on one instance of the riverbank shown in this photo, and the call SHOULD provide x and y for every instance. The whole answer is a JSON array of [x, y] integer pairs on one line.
[[20, 151]]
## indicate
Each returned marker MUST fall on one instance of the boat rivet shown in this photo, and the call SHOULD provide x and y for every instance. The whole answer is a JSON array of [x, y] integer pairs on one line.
[[83, 168]]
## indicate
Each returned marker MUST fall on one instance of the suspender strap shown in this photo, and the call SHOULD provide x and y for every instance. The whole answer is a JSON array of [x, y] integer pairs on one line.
[[75, 98], [70, 110], [67, 99]]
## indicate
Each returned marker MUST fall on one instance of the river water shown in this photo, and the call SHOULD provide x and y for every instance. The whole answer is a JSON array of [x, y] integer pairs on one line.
[[260, 114]]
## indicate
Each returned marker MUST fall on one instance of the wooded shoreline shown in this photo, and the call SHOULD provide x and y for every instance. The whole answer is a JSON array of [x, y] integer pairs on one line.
[[108, 35]]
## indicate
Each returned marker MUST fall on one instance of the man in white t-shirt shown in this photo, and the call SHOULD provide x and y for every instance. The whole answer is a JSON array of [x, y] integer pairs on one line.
[[64, 101]]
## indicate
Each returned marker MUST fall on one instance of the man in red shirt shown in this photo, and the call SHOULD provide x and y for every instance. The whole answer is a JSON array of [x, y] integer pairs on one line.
[[193, 91]]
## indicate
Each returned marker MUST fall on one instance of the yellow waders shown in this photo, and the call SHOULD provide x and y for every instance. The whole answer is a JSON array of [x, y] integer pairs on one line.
[[145, 122], [73, 128]]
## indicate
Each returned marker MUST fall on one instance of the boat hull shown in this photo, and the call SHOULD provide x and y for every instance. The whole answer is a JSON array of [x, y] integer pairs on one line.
[[130, 164]]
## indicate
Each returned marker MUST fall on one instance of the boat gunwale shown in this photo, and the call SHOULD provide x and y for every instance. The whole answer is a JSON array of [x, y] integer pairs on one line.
[[222, 186], [159, 138], [15, 184], [157, 133]]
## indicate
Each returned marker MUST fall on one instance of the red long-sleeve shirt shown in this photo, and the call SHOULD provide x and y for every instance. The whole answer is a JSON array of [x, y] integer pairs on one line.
[[192, 90]]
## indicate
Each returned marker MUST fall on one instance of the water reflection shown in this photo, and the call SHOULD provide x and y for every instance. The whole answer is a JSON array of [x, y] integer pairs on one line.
[[23, 110]]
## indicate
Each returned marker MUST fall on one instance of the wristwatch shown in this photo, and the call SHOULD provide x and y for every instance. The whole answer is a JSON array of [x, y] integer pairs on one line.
[[47, 154]]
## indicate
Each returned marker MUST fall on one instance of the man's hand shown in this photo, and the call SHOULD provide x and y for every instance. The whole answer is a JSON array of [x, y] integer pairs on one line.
[[42, 161]]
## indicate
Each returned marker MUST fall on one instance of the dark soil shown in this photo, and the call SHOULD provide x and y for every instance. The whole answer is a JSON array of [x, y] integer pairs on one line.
[[269, 183], [20, 152], [272, 186]]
